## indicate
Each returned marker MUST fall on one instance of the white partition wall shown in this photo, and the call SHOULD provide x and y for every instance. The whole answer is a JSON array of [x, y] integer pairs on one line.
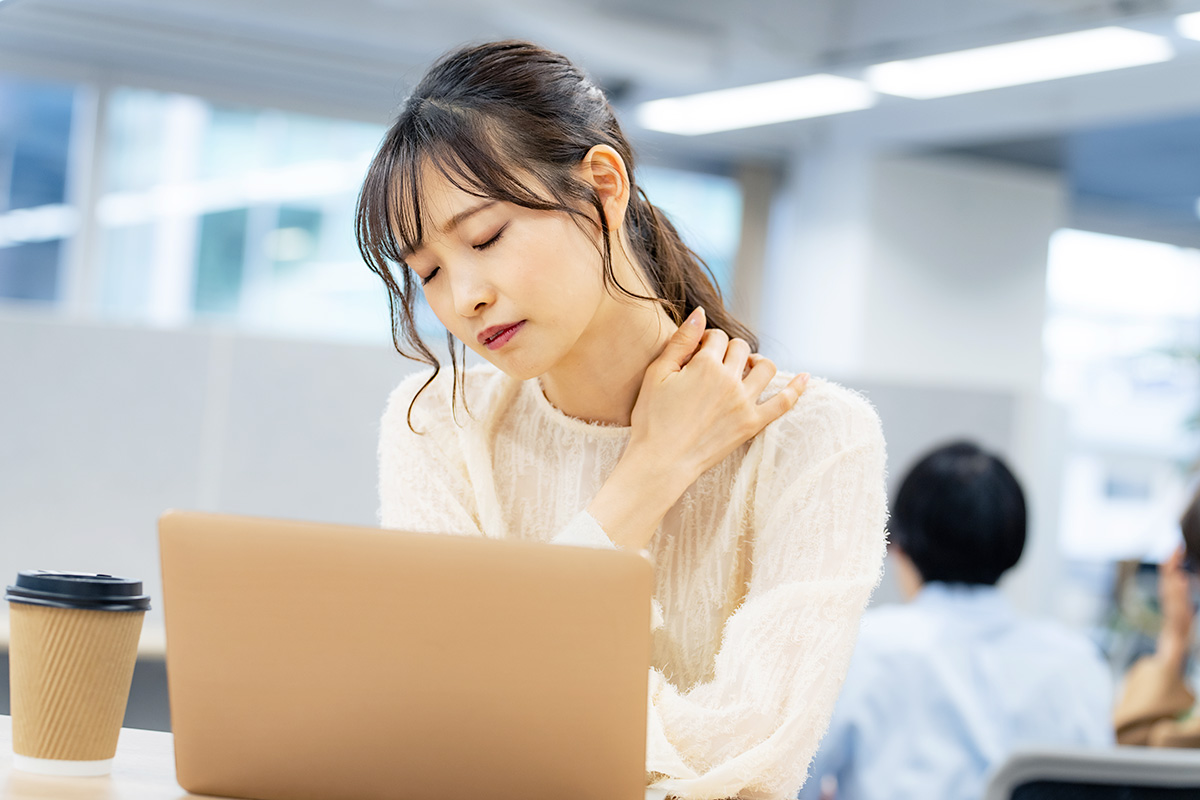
[[104, 427]]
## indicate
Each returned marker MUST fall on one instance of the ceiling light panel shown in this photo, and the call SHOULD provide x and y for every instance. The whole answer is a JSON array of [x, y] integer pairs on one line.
[[1029, 61], [758, 104], [1189, 25]]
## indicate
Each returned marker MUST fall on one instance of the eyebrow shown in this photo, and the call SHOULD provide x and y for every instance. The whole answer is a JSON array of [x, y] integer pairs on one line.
[[453, 223]]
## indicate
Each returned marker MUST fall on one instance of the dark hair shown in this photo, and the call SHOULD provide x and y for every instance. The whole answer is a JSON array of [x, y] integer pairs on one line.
[[1190, 525], [511, 121], [960, 516]]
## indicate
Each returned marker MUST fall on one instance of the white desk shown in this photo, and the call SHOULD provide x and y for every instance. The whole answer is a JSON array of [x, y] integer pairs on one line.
[[144, 769]]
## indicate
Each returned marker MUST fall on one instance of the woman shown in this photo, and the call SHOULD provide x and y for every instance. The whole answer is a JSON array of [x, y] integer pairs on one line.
[[622, 406], [1156, 706]]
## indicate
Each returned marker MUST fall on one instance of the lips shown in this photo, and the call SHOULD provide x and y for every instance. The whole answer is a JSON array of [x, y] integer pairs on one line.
[[498, 335]]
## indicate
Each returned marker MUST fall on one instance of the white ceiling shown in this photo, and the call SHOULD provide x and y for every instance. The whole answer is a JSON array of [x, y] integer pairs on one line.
[[359, 57]]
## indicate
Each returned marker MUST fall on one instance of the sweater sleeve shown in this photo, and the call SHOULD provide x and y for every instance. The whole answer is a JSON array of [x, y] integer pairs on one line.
[[833, 756], [423, 482], [819, 542]]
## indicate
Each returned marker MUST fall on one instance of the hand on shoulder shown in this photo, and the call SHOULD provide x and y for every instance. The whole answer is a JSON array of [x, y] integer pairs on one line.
[[699, 400]]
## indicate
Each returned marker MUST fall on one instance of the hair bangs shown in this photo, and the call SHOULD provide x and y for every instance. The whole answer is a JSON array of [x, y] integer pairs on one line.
[[476, 158]]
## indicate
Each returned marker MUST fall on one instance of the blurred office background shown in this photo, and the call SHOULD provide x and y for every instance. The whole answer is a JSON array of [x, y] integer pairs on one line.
[[185, 321]]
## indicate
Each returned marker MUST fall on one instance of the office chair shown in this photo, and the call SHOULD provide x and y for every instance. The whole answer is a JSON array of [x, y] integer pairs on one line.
[[1118, 773]]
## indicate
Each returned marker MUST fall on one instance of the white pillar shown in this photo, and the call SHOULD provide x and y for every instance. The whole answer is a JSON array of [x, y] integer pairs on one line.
[[930, 273], [175, 239], [85, 178], [758, 186], [815, 277], [957, 283]]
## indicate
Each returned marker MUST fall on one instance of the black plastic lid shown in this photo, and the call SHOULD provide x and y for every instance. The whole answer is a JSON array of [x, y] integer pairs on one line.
[[77, 590]]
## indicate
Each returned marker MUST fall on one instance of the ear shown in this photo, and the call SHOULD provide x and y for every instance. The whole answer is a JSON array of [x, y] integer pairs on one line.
[[604, 168]]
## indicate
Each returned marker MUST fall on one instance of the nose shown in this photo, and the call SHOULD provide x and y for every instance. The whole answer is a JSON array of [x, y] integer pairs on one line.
[[473, 292]]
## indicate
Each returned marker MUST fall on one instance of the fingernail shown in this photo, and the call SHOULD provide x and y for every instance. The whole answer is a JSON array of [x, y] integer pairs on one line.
[[804, 378], [696, 315]]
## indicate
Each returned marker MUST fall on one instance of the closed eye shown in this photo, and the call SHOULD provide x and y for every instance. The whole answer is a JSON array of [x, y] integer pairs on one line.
[[429, 277], [491, 241]]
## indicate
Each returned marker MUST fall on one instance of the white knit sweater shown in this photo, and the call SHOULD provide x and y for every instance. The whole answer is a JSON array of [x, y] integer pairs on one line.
[[762, 568]]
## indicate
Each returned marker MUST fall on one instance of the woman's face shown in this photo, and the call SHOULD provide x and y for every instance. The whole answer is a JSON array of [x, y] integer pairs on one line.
[[516, 285]]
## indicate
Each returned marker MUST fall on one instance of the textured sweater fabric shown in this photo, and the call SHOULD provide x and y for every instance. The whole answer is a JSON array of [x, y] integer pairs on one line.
[[762, 568]]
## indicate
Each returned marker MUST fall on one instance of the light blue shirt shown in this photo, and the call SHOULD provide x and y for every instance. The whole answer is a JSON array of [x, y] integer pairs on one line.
[[941, 689]]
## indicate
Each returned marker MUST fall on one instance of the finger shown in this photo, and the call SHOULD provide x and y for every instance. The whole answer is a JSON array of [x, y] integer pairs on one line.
[[737, 352], [753, 359], [782, 402], [714, 344], [762, 370], [1172, 588], [683, 342]]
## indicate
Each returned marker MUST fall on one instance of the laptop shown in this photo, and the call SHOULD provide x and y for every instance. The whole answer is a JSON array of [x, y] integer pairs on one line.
[[309, 660]]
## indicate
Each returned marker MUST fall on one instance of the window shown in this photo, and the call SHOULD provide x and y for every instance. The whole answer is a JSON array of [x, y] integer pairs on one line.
[[705, 209], [212, 214], [36, 217], [236, 215], [1121, 338]]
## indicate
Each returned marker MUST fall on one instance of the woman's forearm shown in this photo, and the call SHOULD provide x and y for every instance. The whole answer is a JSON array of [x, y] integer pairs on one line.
[[1172, 650], [635, 498]]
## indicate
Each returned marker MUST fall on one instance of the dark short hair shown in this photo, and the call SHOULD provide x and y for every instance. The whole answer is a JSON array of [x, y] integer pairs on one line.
[[960, 516], [1190, 525]]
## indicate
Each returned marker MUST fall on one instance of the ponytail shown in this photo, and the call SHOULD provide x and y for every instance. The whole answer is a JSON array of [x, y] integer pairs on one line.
[[680, 278]]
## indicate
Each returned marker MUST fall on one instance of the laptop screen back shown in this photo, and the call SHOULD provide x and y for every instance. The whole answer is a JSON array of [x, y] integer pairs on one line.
[[319, 661]]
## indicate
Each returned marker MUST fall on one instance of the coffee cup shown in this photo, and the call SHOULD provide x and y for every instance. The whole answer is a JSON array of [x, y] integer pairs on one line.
[[72, 647]]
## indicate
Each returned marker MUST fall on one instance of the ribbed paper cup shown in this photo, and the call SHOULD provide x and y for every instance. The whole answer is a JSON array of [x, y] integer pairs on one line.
[[70, 670]]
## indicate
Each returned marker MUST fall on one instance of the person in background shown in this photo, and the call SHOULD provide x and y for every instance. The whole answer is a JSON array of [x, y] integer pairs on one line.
[[942, 688], [1156, 706]]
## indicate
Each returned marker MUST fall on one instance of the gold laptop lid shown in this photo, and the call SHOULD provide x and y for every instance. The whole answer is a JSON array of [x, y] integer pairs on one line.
[[321, 661]]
